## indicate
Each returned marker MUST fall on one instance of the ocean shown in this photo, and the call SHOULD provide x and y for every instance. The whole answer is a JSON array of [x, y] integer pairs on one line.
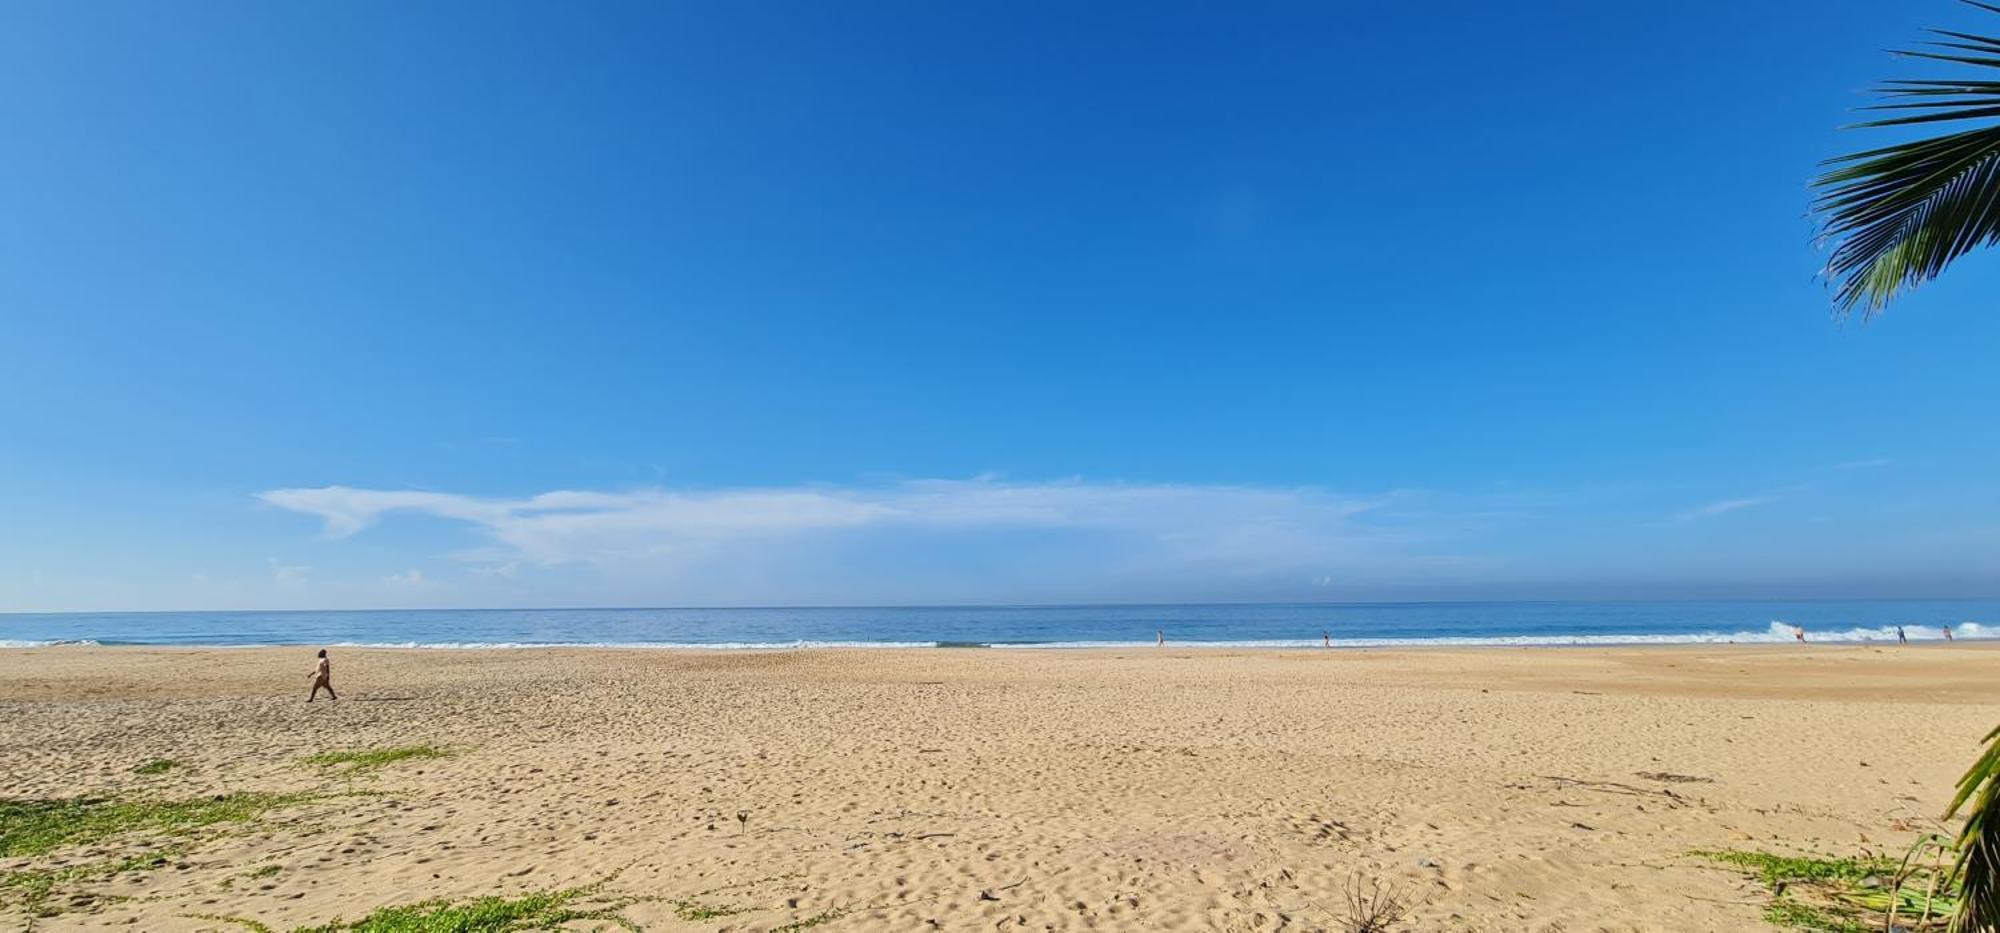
[[1296, 625]]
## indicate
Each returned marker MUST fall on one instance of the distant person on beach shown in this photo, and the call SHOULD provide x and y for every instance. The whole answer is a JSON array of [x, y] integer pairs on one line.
[[323, 677], [1901, 638], [1159, 638], [1799, 632], [1326, 639], [1947, 632]]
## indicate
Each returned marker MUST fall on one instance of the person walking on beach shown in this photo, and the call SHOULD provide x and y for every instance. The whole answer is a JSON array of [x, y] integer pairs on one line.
[[323, 677], [1901, 638], [1947, 632], [1799, 632], [1159, 638], [1326, 639]]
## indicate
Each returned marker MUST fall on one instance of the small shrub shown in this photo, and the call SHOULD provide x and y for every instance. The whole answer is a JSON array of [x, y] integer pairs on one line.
[[1372, 907]]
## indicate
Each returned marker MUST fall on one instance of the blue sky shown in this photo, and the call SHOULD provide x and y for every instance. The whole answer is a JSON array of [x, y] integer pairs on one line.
[[496, 304]]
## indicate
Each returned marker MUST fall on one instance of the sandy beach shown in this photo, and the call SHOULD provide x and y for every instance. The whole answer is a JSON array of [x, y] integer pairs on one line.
[[1497, 789]]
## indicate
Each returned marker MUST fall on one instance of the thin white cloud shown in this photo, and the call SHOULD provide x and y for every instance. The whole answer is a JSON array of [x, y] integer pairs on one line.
[[1722, 508], [815, 539], [410, 577], [287, 573]]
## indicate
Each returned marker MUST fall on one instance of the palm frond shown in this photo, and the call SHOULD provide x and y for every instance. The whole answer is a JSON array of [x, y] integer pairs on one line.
[[1978, 868], [1898, 215]]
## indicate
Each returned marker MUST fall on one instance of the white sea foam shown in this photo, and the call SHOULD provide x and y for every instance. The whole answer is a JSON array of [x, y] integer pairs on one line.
[[1777, 633], [662, 645]]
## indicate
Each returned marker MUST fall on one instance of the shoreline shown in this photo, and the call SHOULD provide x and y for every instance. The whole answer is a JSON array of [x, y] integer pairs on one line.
[[1611, 643]]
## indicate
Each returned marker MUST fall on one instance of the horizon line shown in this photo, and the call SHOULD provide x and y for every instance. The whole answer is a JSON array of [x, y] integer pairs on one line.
[[1079, 605]]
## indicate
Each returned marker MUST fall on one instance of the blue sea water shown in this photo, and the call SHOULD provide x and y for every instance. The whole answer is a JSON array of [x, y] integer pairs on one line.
[[1264, 625]]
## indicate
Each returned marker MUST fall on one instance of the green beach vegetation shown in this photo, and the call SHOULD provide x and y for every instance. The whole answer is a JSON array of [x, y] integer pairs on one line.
[[1780, 870], [34, 827], [549, 909], [156, 766], [368, 759], [32, 889], [694, 912], [1847, 895], [167, 827], [31, 828]]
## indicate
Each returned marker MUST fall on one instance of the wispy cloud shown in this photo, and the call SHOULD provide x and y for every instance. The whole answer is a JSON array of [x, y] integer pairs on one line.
[[410, 577], [568, 526], [983, 529], [1722, 507], [287, 573]]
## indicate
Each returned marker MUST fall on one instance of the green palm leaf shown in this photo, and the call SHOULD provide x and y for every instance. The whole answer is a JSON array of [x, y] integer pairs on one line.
[[1978, 868], [1898, 215]]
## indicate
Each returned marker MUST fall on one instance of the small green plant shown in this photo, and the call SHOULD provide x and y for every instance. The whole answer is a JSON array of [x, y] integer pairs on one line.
[[265, 872], [30, 890], [368, 759], [33, 827], [157, 766], [695, 913], [246, 923]]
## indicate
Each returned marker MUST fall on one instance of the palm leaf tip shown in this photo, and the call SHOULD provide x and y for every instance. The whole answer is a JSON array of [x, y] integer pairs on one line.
[[1977, 870], [1898, 215]]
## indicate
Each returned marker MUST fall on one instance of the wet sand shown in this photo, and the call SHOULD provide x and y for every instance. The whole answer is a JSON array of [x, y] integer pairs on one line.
[[1500, 789]]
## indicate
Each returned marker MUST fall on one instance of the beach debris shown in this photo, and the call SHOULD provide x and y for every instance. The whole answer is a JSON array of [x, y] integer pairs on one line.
[[1668, 777], [1613, 787]]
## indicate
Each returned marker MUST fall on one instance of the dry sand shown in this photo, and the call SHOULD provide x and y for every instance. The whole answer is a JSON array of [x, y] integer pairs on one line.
[[983, 790]]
